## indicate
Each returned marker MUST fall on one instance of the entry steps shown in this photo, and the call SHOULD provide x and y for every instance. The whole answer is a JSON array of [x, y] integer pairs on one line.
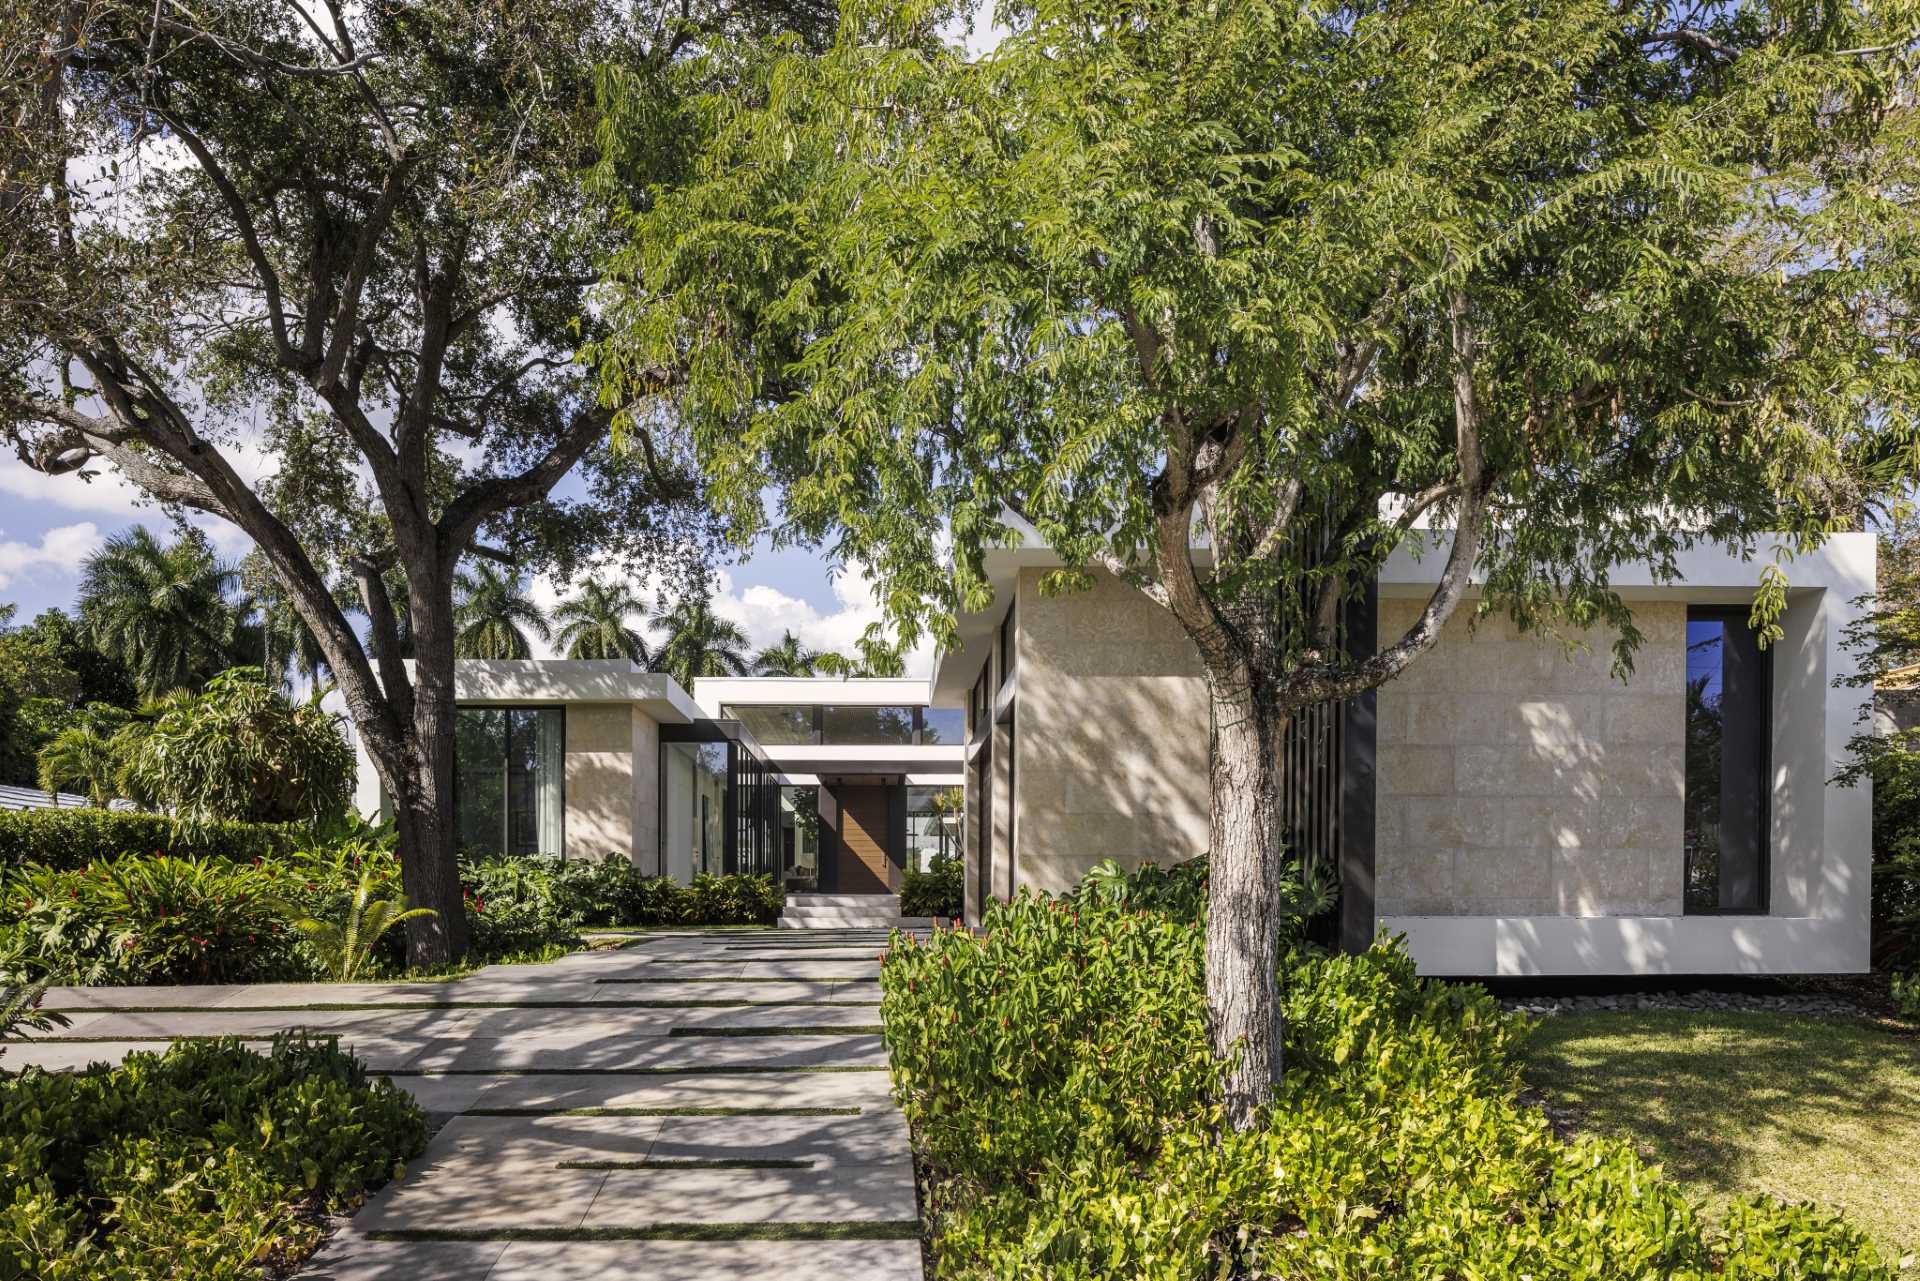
[[848, 912]]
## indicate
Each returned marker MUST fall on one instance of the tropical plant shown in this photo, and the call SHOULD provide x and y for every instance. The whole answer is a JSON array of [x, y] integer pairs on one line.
[[1905, 990], [365, 242], [789, 657], [699, 643], [241, 751], [1236, 303], [494, 614], [345, 944], [20, 1009], [168, 611], [594, 623], [81, 758], [50, 672]]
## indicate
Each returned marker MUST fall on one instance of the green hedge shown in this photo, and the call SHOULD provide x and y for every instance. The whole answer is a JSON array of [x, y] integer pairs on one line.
[[206, 1161], [71, 839], [1056, 1074]]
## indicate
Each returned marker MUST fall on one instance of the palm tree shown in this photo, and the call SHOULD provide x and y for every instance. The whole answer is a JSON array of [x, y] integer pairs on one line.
[[492, 611], [83, 759], [699, 643], [788, 658], [594, 623], [168, 612]]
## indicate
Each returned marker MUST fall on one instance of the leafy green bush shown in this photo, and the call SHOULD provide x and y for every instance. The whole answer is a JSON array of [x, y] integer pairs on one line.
[[1906, 994], [1064, 1105], [72, 839], [200, 1162], [614, 892], [149, 919], [940, 890]]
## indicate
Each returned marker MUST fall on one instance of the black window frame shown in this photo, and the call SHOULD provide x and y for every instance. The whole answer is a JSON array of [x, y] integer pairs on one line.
[[506, 785], [1727, 616], [750, 818]]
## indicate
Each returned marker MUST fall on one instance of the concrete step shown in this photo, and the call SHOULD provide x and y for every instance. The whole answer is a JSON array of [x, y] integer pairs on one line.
[[893, 923], [888, 902], [840, 918]]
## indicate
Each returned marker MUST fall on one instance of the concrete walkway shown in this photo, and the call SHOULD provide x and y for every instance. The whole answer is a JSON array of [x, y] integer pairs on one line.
[[706, 1104]]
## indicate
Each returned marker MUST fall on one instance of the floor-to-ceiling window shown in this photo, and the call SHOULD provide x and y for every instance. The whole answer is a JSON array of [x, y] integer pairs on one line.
[[800, 836], [508, 793], [1729, 691], [693, 808], [933, 824]]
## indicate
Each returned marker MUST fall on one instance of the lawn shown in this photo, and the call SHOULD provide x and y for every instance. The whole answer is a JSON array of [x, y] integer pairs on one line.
[[1826, 1110]]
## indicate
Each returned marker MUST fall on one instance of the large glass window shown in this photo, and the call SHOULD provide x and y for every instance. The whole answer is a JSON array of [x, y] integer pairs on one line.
[[933, 824], [853, 726], [800, 836], [943, 725], [694, 808], [1728, 693], [509, 797], [774, 725]]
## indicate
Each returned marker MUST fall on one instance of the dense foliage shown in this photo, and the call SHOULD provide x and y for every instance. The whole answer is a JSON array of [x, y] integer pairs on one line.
[[1067, 1116], [73, 838], [144, 918], [205, 1161], [241, 750], [614, 892], [50, 672], [939, 889]]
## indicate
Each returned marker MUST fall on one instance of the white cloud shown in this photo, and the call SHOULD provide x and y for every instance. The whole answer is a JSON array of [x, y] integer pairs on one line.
[[764, 613], [61, 549]]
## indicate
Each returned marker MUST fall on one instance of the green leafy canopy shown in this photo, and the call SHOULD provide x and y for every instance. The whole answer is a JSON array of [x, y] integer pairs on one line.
[[1585, 282]]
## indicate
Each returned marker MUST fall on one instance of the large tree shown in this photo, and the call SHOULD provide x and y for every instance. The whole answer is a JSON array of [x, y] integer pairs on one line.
[[345, 240], [1234, 300]]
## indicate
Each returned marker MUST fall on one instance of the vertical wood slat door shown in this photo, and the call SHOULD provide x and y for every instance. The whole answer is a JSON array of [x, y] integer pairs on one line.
[[864, 866]]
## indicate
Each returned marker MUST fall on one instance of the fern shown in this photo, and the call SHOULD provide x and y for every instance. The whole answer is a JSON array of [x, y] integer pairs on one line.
[[344, 946]]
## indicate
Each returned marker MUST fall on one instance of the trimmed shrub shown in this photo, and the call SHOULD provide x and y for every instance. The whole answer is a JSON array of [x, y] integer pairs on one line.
[[204, 1161], [1064, 1105], [939, 890], [613, 892], [72, 839]]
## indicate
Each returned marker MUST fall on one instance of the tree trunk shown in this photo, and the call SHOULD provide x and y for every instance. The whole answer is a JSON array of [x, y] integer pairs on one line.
[[428, 869], [1245, 870]]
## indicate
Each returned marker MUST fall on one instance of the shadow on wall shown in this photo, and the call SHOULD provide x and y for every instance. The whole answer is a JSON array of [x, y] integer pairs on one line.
[[1109, 766]]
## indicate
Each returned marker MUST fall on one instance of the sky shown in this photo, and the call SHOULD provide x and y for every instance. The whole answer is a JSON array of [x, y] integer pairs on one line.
[[50, 524]]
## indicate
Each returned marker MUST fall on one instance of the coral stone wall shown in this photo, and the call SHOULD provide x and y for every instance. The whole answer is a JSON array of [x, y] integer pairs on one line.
[[599, 780], [1112, 727], [1518, 780]]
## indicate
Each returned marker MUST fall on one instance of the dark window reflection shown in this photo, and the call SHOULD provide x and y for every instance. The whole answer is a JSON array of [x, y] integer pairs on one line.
[[1727, 730]]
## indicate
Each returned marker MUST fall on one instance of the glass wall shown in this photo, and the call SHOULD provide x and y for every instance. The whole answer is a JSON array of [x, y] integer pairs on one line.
[[1729, 691], [852, 726], [793, 724], [933, 824], [943, 725], [775, 725], [693, 808], [800, 836], [508, 789]]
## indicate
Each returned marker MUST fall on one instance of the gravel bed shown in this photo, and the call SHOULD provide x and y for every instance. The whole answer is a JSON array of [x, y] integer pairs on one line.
[[1700, 1002]]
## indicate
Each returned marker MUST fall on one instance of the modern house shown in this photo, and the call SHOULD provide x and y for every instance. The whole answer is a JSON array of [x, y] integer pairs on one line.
[[829, 784], [1506, 803]]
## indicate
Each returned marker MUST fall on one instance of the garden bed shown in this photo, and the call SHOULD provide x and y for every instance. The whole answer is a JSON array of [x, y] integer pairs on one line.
[[1067, 1124], [210, 1161]]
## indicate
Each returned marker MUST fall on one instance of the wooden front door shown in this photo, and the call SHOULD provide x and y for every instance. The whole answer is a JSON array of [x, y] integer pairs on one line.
[[861, 863]]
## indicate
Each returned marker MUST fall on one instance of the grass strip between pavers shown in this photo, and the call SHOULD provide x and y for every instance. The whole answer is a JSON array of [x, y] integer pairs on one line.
[[691, 1163], [733, 1069], [804, 1029], [662, 1111], [665, 978], [879, 1230]]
